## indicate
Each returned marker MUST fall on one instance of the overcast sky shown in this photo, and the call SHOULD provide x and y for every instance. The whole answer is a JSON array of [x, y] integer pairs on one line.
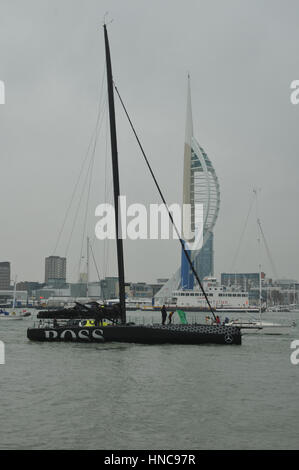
[[242, 56]]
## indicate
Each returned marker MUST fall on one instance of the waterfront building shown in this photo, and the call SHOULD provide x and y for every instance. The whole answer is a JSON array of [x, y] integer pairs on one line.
[[4, 275], [246, 281], [6, 297], [78, 289], [55, 270], [29, 286], [46, 292], [109, 288], [140, 289]]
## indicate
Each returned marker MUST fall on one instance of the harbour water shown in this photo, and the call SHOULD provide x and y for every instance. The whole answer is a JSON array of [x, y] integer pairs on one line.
[[129, 396]]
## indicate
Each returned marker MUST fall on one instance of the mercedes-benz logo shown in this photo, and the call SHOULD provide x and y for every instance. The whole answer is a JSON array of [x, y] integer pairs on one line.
[[228, 338]]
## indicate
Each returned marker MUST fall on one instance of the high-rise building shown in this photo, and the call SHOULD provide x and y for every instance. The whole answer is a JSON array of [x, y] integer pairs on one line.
[[200, 186], [55, 270], [4, 275]]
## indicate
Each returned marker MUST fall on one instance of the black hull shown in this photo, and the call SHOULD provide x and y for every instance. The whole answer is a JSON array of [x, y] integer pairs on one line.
[[154, 334]]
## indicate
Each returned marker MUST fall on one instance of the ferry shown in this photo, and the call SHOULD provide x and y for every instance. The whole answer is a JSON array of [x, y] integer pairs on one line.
[[221, 298]]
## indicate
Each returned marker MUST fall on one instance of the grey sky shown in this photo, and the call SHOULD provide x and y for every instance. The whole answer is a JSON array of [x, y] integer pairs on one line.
[[242, 56]]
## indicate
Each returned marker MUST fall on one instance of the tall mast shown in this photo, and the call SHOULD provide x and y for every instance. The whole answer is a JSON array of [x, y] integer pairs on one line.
[[259, 254], [87, 268], [14, 293], [119, 242]]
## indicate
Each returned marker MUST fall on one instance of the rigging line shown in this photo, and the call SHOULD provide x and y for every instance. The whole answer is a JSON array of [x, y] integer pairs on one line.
[[164, 202], [107, 197], [96, 266], [81, 196], [81, 168], [258, 227], [87, 203], [268, 250], [74, 269], [77, 212], [88, 195], [242, 236], [72, 197], [105, 171], [259, 252], [88, 175]]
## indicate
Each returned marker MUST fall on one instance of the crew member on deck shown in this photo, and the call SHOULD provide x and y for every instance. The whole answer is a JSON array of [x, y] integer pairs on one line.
[[170, 317], [164, 314]]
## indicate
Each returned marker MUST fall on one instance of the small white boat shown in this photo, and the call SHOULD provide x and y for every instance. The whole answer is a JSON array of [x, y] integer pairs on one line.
[[5, 315]]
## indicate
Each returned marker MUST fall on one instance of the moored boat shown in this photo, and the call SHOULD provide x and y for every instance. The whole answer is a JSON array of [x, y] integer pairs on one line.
[[5, 315]]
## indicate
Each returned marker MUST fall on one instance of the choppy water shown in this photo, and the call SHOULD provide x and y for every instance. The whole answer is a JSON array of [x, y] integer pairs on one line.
[[129, 396]]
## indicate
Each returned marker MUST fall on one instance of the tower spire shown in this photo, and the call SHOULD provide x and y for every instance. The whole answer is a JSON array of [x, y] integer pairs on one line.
[[187, 149], [189, 119], [187, 278]]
